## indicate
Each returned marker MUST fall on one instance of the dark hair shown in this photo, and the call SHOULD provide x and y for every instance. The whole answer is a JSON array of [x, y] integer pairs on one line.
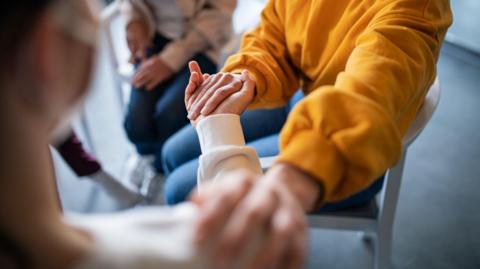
[[17, 20]]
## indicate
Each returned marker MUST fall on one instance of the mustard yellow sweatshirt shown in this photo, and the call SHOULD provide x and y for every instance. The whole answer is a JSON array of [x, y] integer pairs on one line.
[[365, 67]]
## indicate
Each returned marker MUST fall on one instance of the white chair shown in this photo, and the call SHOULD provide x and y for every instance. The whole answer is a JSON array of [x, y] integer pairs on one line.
[[376, 218], [123, 72], [116, 48]]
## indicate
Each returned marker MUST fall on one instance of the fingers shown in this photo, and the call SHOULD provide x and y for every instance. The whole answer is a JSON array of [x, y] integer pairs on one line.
[[214, 81], [218, 97], [153, 82], [146, 77], [297, 252], [295, 255], [216, 208], [251, 216], [192, 86], [245, 76], [206, 93], [205, 86], [151, 73], [140, 78], [142, 53], [194, 67], [271, 252]]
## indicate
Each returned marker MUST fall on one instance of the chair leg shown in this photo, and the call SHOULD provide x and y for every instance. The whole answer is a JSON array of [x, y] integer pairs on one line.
[[383, 249]]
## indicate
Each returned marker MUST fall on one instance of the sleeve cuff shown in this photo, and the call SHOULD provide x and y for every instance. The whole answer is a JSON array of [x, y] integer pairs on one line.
[[318, 157], [220, 130]]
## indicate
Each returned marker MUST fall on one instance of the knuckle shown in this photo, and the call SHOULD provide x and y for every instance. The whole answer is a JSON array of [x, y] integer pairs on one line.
[[237, 84], [255, 213], [226, 200], [217, 76], [229, 77], [222, 92]]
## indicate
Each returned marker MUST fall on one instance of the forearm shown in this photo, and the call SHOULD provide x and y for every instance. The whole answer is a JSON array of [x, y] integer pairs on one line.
[[135, 11], [223, 148]]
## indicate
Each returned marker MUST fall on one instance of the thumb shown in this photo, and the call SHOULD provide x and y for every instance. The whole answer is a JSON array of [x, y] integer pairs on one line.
[[245, 76], [248, 88], [143, 54], [194, 67]]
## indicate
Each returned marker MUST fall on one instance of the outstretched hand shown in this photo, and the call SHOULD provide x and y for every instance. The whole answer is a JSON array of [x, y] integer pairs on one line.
[[263, 215], [221, 93]]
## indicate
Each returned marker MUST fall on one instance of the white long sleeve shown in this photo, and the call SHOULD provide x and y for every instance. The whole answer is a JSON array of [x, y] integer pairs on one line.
[[162, 237], [223, 148], [153, 237], [148, 238]]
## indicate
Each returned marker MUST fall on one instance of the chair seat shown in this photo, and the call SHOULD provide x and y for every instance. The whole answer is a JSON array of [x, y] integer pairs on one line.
[[368, 210]]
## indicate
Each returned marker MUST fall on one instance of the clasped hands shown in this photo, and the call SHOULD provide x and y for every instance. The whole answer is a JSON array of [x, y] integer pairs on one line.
[[151, 70], [244, 207]]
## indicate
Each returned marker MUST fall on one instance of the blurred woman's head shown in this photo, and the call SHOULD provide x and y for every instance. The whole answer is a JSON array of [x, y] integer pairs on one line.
[[47, 49]]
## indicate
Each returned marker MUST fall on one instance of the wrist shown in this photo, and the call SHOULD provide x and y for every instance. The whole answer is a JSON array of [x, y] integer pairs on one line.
[[219, 130], [302, 185]]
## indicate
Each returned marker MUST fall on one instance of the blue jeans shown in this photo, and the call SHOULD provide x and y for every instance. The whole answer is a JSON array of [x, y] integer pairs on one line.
[[261, 129], [153, 116]]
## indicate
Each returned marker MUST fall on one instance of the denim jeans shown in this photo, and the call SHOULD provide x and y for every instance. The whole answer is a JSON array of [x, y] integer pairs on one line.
[[261, 129], [153, 116]]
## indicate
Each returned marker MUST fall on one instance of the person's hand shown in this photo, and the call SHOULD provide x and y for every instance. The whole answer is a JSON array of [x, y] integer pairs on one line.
[[138, 40], [151, 72], [220, 93], [274, 207]]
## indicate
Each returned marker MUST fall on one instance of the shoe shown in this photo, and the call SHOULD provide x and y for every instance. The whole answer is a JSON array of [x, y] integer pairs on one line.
[[153, 190], [124, 193], [136, 169]]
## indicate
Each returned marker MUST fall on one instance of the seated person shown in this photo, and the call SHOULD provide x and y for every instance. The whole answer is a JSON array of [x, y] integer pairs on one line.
[[163, 35], [40, 86], [364, 68]]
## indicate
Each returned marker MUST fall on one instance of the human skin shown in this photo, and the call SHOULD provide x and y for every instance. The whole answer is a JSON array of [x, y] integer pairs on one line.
[[152, 71], [32, 103], [278, 201]]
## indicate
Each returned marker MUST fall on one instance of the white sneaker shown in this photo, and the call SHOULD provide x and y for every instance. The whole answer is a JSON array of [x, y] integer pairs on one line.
[[137, 168], [124, 193], [153, 190]]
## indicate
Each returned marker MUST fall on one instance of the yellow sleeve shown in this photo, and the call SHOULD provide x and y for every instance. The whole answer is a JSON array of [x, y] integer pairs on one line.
[[347, 134], [264, 55]]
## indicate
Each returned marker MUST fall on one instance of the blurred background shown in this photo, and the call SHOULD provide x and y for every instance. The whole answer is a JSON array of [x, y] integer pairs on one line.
[[438, 220]]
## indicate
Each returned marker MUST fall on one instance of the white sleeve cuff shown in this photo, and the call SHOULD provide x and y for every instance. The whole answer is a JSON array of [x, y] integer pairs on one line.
[[220, 130]]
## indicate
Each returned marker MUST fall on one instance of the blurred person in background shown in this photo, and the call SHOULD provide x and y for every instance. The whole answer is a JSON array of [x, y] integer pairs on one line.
[[40, 89], [163, 35]]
